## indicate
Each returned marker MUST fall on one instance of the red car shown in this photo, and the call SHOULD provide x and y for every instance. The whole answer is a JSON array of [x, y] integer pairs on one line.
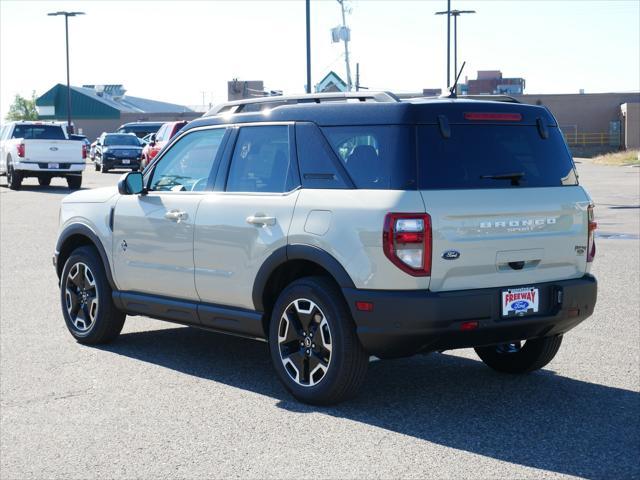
[[159, 140]]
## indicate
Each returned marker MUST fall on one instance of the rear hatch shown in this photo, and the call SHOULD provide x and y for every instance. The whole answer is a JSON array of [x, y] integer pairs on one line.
[[504, 200]]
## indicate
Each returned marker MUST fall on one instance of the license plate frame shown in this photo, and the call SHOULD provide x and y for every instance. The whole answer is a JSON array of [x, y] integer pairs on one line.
[[53, 165], [520, 302]]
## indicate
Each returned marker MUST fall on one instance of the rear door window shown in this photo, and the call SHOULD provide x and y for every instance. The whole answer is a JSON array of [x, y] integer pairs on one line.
[[39, 132], [376, 157], [492, 156], [261, 161]]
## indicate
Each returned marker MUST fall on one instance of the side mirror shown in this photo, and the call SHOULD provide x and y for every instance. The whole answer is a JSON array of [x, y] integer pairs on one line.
[[131, 184]]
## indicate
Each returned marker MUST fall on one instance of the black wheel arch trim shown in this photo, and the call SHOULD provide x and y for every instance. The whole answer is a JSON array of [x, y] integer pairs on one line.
[[297, 252], [85, 231]]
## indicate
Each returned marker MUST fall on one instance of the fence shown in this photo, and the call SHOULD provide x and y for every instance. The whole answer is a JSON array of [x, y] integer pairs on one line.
[[576, 139]]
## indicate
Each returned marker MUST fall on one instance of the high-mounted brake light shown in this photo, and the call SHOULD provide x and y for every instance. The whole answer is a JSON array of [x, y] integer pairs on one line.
[[486, 116], [407, 242], [591, 229], [21, 150]]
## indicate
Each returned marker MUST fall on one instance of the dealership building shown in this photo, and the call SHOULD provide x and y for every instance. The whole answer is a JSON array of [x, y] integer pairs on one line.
[[103, 108]]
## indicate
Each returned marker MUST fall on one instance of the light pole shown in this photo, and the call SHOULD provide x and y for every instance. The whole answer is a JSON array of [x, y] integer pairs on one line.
[[308, 8], [66, 31], [455, 14], [448, 14]]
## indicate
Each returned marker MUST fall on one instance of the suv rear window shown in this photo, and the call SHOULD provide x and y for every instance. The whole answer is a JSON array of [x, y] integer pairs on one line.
[[492, 156], [39, 132], [126, 139], [376, 157]]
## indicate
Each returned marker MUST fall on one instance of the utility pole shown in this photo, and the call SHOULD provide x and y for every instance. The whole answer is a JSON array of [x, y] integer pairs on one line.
[[455, 14], [308, 5], [346, 45], [66, 32]]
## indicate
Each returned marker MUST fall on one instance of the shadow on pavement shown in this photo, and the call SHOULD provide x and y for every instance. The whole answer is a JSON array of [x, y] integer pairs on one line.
[[541, 420]]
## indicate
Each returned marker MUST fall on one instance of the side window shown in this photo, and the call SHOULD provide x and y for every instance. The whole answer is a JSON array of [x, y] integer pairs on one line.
[[160, 134], [376, 157], [261, 160], [187, 166], [319, 167]]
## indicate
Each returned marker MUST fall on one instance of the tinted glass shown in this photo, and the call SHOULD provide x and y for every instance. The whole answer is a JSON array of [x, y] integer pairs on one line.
[[39, 132], [319, 166], [188, 164], [476, 153], [261, 161], [128, 140], [140, 130], [376, 157]]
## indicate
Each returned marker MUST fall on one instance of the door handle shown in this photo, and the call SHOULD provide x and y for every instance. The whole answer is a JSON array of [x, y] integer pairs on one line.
[[176, 215], [261, 220]]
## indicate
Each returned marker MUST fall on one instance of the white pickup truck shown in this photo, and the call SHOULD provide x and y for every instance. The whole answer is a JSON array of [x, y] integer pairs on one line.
[[42, 150]]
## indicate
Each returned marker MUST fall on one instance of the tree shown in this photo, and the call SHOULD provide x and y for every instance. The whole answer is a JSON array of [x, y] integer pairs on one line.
[[23, 108]]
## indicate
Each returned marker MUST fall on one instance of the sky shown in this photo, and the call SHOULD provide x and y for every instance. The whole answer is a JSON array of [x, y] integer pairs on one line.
[[180, 51]]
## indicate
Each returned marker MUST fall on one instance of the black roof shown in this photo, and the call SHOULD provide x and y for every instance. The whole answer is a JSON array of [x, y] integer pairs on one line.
[[417, 111]]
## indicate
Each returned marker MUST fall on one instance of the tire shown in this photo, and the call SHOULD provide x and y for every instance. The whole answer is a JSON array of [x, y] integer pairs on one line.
[[14, 179], [44, 181], [104, 168], [315, 306], [97, 166], [89, 323], [513, 358], [74, 182]]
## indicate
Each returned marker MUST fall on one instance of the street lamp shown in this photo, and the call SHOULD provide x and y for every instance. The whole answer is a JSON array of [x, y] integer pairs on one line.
[[66, 30], [455, 14]]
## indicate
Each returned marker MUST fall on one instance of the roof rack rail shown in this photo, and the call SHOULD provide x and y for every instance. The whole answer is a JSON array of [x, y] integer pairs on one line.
[[261, 103]]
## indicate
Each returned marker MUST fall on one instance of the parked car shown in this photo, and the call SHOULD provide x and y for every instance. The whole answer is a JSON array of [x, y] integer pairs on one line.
[[338, 230], [158, 140], [140, 129], [117, 150], [42, 150]]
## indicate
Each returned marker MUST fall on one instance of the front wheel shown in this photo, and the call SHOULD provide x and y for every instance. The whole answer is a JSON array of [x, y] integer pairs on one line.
[[518, 357], [85, 294], [74, 182], [97, 166], [314, 345]]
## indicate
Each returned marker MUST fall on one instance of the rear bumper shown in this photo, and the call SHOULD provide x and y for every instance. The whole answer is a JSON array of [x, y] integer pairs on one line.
[[43, 167], [407, 322]]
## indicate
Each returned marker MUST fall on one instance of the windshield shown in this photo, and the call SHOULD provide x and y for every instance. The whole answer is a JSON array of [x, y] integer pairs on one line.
[[128, 140], [492, 156], [39, 132]]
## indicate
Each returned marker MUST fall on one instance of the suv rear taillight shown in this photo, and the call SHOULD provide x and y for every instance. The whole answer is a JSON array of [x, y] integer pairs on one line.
[[591, 241], [84, 151], [407, 242], [21, 150]]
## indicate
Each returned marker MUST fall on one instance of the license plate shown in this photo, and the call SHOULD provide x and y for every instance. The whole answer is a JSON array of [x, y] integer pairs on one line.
[[517, 302], [126, 161], [53, 165]]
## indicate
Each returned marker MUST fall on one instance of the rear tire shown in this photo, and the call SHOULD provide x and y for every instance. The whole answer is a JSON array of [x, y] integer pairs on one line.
[[74, 182], [511, 358], [44, 181], [85, 295], [97, 165], [314, 346], [14, 179]]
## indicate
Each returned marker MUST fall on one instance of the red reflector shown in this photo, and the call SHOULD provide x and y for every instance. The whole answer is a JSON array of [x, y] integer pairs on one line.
[[409, 237], [364, 306], [573, 312], [464, 326], [503, 117]]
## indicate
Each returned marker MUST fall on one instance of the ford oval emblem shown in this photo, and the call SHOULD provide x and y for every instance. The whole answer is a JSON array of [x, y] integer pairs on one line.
[[451, 255], [520, 305], [53, 149]]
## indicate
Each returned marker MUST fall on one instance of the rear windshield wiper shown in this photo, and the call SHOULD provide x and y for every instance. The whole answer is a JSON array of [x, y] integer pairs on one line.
[[514, 177]]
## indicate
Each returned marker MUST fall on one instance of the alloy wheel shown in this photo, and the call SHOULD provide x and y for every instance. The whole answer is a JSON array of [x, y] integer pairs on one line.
[[304, 342], [81, 296]]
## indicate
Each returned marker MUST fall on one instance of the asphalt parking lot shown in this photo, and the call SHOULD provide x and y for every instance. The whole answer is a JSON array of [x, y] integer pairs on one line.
[[170, 401]]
